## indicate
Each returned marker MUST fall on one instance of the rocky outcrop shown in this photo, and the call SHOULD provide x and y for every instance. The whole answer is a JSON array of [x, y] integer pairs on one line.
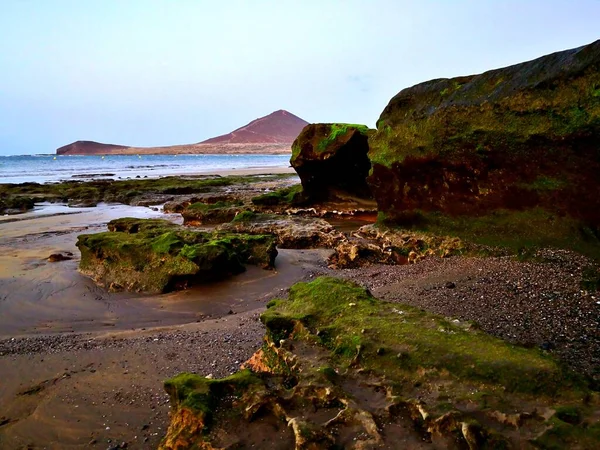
[[15, 204], [331, 159], [382, 245], [156, 256], [209, 213], [520, 137], [342, 369], [290, 231]]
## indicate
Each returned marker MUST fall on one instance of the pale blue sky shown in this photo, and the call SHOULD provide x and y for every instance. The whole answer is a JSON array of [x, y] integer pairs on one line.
[[160, 72]]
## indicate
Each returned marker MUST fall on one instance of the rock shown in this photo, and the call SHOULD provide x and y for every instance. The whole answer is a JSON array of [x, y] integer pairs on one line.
[[332, 159], [155, 256], [516, 138], [15, 204], [378, 244], [56, 257], [285, 197], [291, 231], [450, 285], [204, 213], [336, 387]]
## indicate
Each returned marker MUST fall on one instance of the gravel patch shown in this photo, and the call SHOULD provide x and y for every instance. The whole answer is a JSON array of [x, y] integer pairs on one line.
[[527, 303]]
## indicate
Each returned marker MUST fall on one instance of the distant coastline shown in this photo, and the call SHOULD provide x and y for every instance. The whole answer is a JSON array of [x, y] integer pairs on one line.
[[269, 135], [97, 148]]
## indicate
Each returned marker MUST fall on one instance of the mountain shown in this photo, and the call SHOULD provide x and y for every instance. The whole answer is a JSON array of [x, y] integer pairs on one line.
[[272, 134], [280, 127], [88, 148]]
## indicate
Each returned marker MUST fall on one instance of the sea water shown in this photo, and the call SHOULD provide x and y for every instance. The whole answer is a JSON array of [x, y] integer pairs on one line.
[[54, 168]]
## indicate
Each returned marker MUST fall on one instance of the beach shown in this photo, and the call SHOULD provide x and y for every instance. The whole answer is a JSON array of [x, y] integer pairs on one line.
[[84, 367], [80, 365]]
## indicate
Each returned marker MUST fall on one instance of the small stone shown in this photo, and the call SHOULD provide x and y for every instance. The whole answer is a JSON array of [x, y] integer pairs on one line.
[[56, 257], [450, 285]]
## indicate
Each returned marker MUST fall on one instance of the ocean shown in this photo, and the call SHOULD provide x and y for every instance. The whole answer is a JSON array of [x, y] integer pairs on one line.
[[54, 168]]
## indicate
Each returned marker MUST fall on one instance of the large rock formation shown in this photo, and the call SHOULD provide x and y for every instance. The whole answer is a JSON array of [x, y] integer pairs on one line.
[[156, 256], [332, 159], [271, 134], [519, 137], [342, 369]]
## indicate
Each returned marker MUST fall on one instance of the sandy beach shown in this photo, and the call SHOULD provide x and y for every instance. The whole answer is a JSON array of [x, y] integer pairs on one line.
[[81, 366]]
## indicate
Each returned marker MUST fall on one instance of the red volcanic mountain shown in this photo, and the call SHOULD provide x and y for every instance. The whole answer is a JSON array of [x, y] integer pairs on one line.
[[89, 148], [279, 127], [272, 134]]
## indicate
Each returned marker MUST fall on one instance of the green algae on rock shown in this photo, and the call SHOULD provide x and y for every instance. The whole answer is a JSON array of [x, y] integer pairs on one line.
[[210, 213], [512, 138], [128, 191], [155, 256], [13, 204], [330, 157], [342, 369], [288, 196]]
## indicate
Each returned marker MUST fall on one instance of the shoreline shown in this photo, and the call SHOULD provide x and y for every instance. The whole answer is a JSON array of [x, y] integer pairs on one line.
[[134, 167]]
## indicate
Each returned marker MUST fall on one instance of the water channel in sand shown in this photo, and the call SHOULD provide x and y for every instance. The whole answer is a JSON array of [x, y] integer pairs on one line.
[[80, 366], [37, 296]]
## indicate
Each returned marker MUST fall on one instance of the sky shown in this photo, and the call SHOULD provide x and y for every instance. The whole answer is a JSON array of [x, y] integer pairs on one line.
[[164, 72]]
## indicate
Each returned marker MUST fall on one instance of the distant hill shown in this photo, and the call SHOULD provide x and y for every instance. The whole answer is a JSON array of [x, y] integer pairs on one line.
[[272, 134], [279, 127], [88, 148]]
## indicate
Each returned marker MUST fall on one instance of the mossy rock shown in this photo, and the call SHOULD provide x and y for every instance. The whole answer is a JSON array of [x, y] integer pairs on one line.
[[331, 158], [156, 256], [289, 196], [341, 310], [337, 362], [210, 213], [16, 204], [515, 138], [126, 191]]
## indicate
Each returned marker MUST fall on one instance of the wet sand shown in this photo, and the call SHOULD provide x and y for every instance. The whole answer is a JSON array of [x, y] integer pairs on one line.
[[81, 367]]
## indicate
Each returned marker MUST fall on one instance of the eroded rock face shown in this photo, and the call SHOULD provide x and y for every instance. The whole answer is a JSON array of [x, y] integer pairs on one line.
[[520, 137], [341, 369], [155, 256], [382, 245], [290, 231], [331, 159]]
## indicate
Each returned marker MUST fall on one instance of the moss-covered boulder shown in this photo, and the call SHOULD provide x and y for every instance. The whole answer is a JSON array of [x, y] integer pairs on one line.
[[514, 138], [331, 159], [209, 214], [342, 369], [157, 256], [15, 204]]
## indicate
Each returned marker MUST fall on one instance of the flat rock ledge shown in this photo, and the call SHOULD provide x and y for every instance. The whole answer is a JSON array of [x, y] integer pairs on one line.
[[155, 256]]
